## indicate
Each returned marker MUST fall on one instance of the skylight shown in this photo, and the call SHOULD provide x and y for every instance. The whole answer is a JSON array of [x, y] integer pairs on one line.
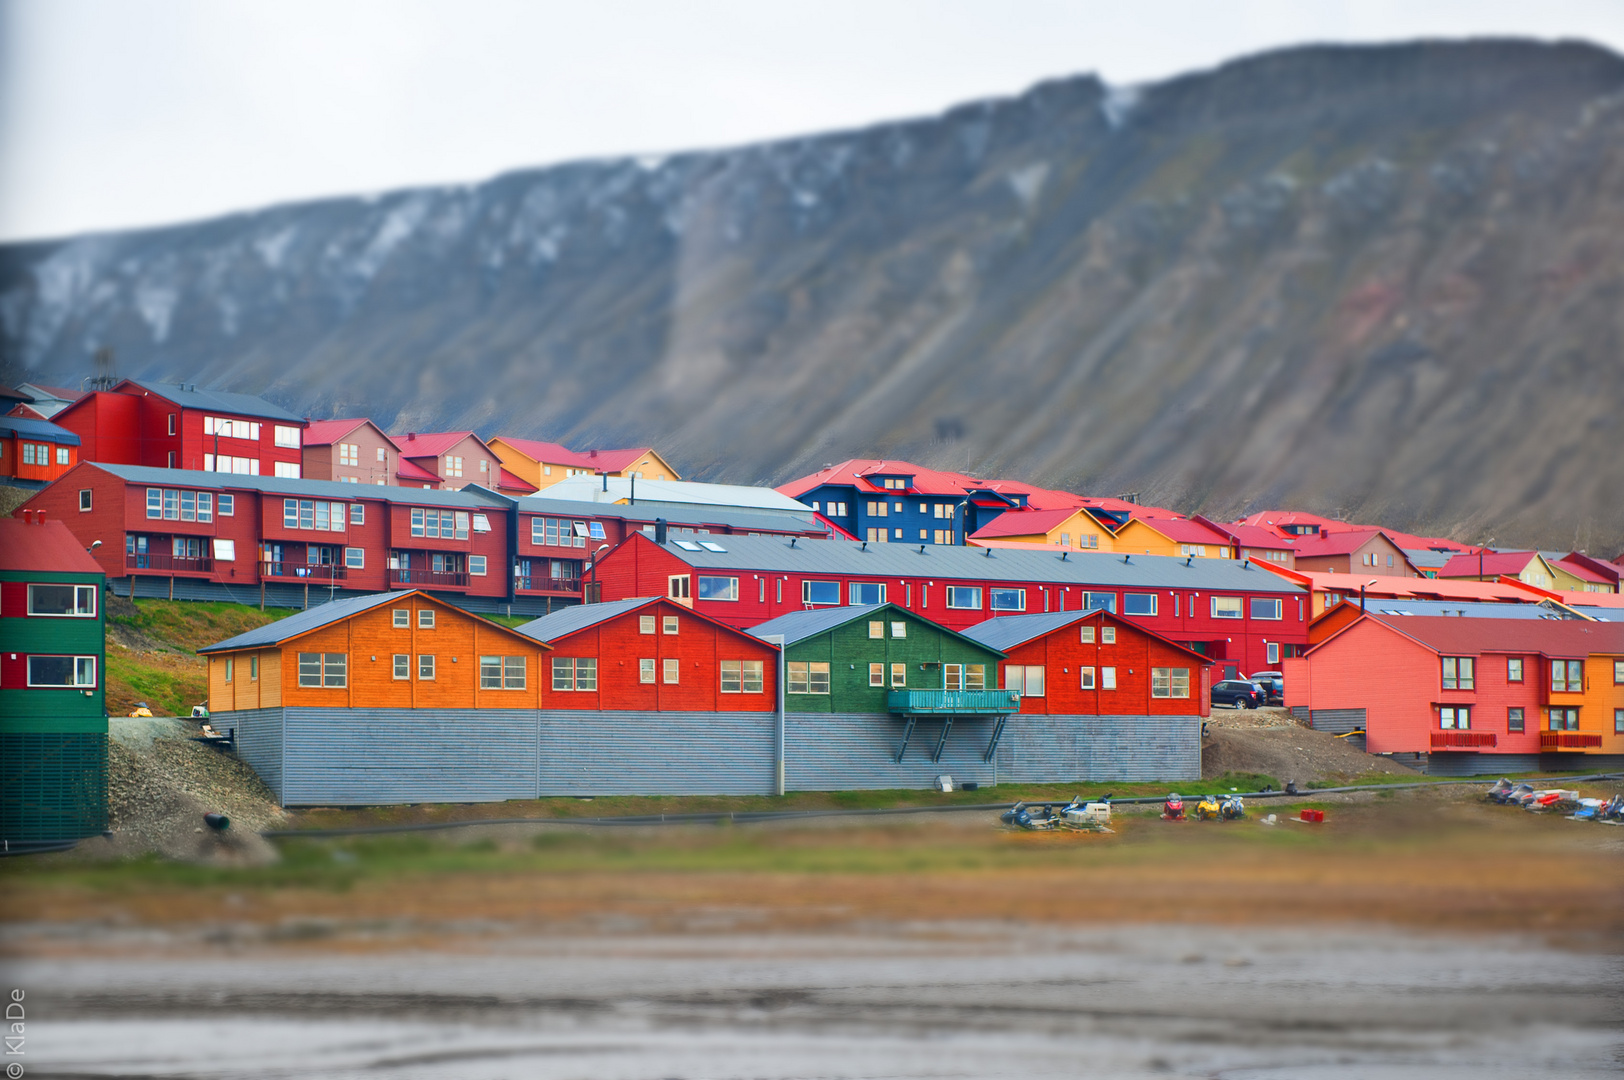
[[711, 546], [686, 545]]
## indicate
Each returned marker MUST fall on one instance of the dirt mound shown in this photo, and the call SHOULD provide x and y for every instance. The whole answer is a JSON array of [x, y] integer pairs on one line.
[[1252, 718], [1289, 753], [160, 784]]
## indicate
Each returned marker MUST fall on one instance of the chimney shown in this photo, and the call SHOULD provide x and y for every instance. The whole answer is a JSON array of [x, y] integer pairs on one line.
[[659, 530], [27, 519], [1324, 532], [591, 453], [411, 436], [39, 517]]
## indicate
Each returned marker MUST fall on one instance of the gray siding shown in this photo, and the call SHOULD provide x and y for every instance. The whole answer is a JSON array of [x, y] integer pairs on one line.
[[259, 742], [849, 751], [280, 595], [1062, 749], [1475, 764], [363, 757], [1337, 721], [656, 753]]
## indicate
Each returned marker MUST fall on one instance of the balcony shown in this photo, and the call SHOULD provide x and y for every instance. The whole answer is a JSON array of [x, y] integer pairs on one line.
[[953, 702], [563, 585], [302, 571], [1568, 740], [169, 564], [1461, 740], [428, 579]]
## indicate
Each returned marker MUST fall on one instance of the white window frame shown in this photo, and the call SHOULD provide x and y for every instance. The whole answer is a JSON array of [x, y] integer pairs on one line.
[[425, 618], [1264, 601], [81, 593], [730, 590], [671, 671], [994, 593], [852, 591], [81, 666], [1129, 598], [806, 593], [402, 666], [1239, 611], [956, 593]]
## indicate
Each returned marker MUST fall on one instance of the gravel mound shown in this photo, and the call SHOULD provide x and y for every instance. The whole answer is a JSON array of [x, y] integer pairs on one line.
[[160, 784], [1289, 753]]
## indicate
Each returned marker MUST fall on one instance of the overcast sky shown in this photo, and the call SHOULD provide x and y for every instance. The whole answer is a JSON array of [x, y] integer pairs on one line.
[[132, 112]]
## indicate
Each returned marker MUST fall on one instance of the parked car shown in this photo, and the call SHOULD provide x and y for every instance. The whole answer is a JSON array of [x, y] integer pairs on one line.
[[1239, 694], [1274, 685]]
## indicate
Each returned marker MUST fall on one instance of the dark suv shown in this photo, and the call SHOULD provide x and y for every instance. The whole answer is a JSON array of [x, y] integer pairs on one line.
[[1273, 683], [1238, 694]]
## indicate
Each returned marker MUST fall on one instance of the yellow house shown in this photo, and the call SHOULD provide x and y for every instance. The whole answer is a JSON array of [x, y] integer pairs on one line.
[[1069, 527], [1529, 567], [1177, 537], [543, 464]]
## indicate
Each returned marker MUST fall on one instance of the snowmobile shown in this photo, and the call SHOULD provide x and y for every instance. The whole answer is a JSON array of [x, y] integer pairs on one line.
[[1029, 818], [1173, 808], [1092, 815]]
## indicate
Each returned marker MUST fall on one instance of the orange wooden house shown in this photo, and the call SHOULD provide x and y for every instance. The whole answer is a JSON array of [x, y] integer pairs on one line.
[[385, 651]]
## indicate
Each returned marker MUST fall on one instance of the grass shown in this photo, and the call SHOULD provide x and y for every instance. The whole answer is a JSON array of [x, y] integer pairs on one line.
[[190, 625], [169, 684]]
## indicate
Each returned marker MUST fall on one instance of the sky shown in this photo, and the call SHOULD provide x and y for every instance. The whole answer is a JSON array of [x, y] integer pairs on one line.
[[121, 113]]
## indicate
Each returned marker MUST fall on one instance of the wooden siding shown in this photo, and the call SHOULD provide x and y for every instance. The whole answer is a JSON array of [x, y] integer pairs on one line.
[[1063, 654], [848, 650]]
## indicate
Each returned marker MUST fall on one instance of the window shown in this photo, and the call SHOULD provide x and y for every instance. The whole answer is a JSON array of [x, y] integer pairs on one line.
[[322, 669], [953, 676], [1271, 652], [975, 676], [358, 514], [962, 596], [171, 459], [155, 502], [228, 505], [171, 504], [1567, 676], [403, 665], [348, 453], [820, 592], [425, 618], [1514, 720], [1169, 682], [1265, 608], [941, 536], [1087, 635], [677, 587], [1088, 678], [1093, 601], [866, 592], [1198, 551], [1618, 721], [718, 588], [1618, 672], [645, 624], [594, 529], [1454, 717], [62, 455], [645, 670], [1007, 599], [355, 558], [476, 565], [453, 465], [78, 672], [1138, 603], [1514, 669], [171, 423], [1564, 719], [84, 500], [1107, 635], [899, 629], [253, 667], [64, 601], [425, 667], [668, 624], [807, 678], [742, 676], [876, 674], [878, 509], [876, 628], [899, 676], [288, 436], [501, 673], [1108, 678], [1226, 607], [1026, 681], [672, 669], [287, 470], [1459, 673]]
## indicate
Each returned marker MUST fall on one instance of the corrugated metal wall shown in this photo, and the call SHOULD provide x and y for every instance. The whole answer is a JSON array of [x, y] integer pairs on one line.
[[363, 757], [1474, 764], [849, 751], [657, 753], [1337, 721], [259, 742], [1061, 749]]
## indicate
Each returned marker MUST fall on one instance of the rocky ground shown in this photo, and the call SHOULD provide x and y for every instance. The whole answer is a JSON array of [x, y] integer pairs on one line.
[[1272, 742]]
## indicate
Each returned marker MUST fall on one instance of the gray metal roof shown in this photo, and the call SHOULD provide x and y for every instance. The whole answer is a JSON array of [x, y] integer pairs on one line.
[[218, 400], [677, 492], [681, 516], [568, 620], [906, 561], [294, 625], [1468, 609], [1008, 631], [465, 499], [800, 625], [41, 430], [1427, 559]]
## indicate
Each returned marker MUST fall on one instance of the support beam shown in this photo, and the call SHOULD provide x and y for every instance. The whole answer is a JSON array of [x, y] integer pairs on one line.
[[907, 733], [941, 743], [997, 733]]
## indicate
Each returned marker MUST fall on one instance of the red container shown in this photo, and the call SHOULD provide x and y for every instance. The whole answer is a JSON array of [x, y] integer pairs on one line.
[[1313, 815]]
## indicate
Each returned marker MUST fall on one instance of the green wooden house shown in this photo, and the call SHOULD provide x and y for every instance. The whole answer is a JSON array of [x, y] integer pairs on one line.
[[53, 716], [880, 659]]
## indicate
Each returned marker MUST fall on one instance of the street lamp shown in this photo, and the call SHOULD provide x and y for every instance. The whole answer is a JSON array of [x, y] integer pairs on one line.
[[593, 584], [1480, 550], [1362, 589]]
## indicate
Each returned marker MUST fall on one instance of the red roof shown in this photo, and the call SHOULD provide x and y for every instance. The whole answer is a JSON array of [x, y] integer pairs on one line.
[[29, 546], [1467, 637], [1393, 586], [1583, 572], [597, 460], [420, 444], [856, 472], [1025, 522], [1253, 536], [327, 432], [1493, 564], [415, 473], [1411, 542], [1342, 542], [1185, 531], [506, 481], [1280, 518]]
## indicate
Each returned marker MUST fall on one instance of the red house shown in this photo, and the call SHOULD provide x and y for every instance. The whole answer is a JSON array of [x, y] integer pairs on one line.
[[169, 426], [35, 451], [651, 655], [452, 458], [1095, 664], [1236, 614]]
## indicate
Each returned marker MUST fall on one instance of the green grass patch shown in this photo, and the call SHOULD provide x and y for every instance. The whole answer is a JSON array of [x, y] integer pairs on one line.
[[170, 685], [190, 625]]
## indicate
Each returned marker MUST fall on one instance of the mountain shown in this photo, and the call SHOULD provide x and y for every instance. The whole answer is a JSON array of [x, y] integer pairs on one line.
[[1385, 282]]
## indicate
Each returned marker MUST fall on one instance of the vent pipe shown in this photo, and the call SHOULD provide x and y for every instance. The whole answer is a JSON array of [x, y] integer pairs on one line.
[[660, 530]]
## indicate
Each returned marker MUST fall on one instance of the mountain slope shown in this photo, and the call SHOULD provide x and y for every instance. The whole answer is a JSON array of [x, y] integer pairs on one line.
[[1384, 281]]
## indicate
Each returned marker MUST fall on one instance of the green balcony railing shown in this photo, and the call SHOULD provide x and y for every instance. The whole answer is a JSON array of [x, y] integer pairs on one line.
[[954, 702]]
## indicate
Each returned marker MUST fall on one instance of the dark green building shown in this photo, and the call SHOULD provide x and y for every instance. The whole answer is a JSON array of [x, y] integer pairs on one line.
[[53, 715]]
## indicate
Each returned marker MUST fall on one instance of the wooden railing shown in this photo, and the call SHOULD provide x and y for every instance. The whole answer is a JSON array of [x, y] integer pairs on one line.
[[175, 564], [429, 578], [303, 571], [953, 702], [1462, 738], [540, 583], [1568, 740]]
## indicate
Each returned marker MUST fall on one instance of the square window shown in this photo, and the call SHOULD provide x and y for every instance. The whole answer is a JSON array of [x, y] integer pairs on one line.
[[876, 628], [425, 618], [899, 629], [403, 618], [309, 669], [403, 665], [355, 558], [645, 625], [673, 669], [669, 624], [425, 667], [476, 565], [1087, 635], [1107, 635], [490, 673]]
